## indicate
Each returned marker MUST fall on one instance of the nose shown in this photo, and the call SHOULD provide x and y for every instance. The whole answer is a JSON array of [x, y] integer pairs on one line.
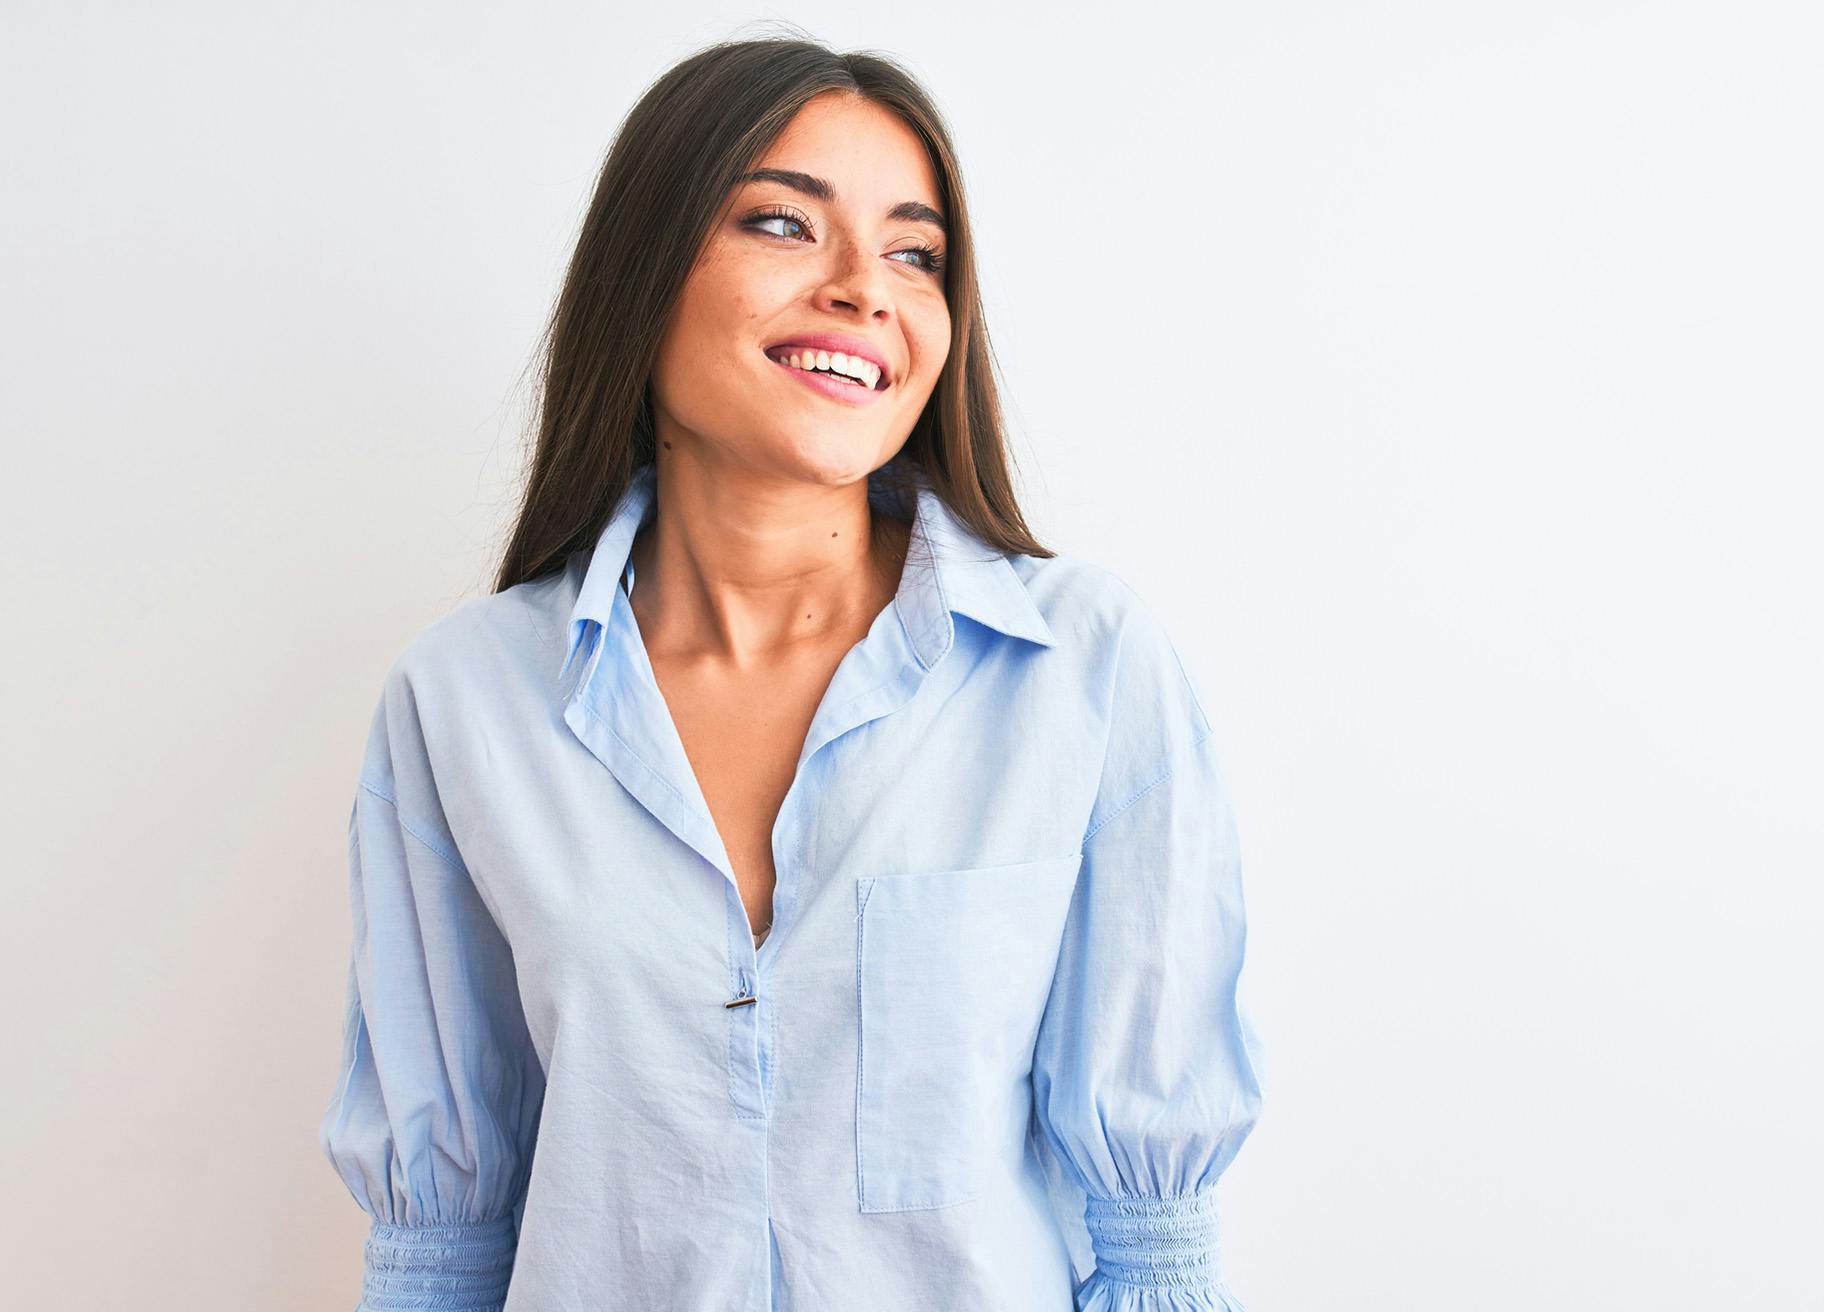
[[856, 282]]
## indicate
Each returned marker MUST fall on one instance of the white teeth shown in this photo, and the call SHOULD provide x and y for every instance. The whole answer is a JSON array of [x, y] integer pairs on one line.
[[862, 371]]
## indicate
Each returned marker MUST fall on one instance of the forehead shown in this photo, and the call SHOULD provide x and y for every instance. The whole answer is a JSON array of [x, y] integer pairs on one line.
[[865, 151]]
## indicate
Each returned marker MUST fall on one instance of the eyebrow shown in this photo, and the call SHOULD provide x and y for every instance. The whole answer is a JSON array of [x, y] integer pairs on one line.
[[915, 211]]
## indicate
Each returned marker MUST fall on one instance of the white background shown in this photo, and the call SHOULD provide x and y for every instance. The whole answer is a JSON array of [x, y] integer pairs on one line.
[[1447, 375]]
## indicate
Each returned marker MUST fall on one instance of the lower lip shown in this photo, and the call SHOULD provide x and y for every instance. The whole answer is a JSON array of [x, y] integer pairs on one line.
[[853, 393]]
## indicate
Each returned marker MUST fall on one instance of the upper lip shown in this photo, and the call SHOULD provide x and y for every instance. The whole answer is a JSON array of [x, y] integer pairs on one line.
[[839, 342]]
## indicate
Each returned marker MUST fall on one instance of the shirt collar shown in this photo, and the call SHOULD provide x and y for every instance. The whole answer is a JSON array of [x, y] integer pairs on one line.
[[948, 570]]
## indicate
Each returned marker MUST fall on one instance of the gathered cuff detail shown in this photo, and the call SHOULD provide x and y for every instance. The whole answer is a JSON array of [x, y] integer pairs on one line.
[[1155, 1243], [451, 1268]]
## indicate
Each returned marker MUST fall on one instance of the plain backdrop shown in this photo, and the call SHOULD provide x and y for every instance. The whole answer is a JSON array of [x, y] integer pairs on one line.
[[1447, 375]]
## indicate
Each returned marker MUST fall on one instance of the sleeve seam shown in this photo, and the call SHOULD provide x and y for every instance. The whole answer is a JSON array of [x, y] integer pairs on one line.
[[1159, 779], [434, 848]]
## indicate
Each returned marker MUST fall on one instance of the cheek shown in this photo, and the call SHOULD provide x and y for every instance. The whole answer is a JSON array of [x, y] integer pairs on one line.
[[708, 323], [734, 274], [932, 342]]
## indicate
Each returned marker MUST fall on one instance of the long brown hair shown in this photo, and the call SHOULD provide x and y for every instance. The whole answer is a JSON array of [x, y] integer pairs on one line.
[[668, 173]]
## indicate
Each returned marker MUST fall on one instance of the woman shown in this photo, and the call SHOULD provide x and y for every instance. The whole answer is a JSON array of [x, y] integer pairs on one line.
[[793, 887]]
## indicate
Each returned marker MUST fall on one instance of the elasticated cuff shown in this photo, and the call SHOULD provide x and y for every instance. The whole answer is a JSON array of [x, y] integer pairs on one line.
[[1155, 1254], [449, 1268]]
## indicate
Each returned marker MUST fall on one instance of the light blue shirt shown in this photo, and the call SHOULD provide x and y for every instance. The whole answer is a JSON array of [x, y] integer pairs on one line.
[[991, 1056]]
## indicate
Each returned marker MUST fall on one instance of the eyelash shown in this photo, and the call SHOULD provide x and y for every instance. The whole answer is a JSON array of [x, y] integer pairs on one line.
[[934, 258]]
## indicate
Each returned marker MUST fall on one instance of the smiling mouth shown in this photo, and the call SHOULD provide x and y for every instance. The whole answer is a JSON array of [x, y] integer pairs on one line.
[[821, 364], [846, 392]]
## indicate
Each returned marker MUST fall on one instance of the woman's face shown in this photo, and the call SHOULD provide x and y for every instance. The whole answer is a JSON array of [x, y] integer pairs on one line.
[[843, 239]]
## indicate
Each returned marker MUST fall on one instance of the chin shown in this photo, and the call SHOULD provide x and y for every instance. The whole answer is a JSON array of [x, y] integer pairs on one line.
[[835, 459]]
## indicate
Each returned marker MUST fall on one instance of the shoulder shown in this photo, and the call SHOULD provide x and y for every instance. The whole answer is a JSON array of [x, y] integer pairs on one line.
[[1099, 615], [1147, 708], [483, 666], [491, 641], [1077, 596]]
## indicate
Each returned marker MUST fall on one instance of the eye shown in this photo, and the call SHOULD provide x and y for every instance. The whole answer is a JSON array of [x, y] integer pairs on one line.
[[777, 215], [933, 258]]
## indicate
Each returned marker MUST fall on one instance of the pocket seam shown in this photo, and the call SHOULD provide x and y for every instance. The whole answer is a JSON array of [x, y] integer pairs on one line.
[[912, 876], [864, 889]]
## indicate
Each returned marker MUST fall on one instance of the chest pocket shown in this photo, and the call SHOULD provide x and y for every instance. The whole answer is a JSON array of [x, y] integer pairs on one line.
[[952, 972]]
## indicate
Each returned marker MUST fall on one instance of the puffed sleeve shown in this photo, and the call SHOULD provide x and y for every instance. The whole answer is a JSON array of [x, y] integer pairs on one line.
[[436, 1106], [1146, 1074]]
